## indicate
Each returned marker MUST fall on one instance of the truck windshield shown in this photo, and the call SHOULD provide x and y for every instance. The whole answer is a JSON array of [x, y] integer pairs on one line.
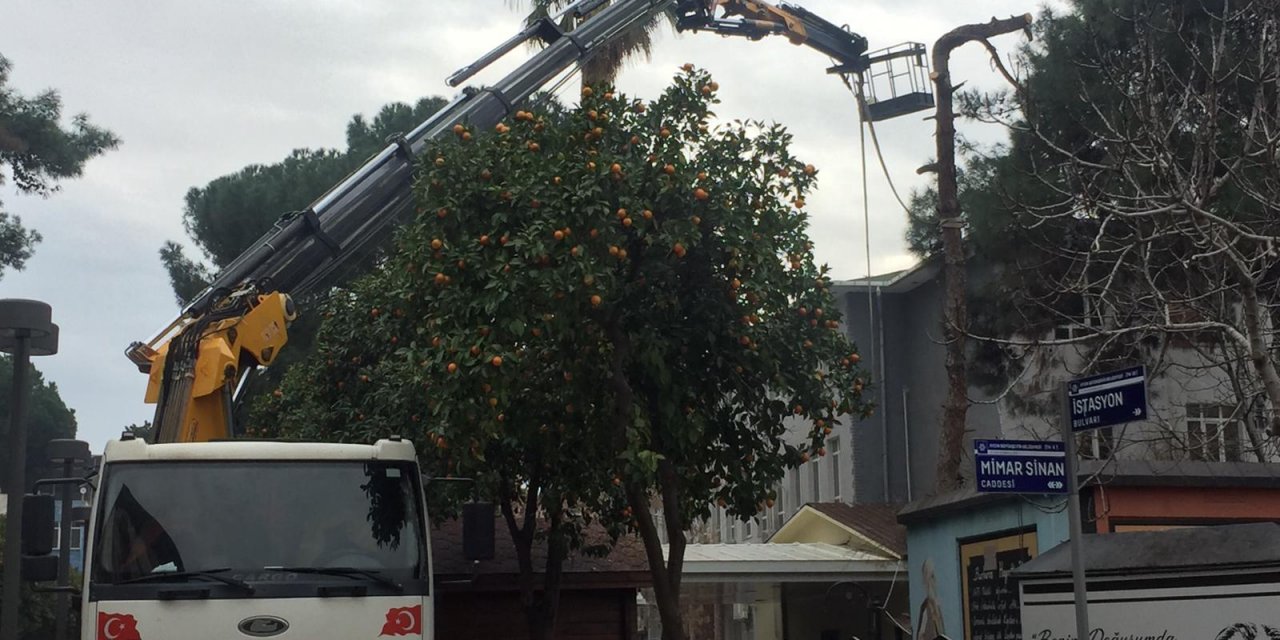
[[248, 517]]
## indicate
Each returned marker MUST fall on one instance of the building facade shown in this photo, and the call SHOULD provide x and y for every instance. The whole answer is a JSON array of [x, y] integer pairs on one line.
[[1195, 412], [1203, 455]]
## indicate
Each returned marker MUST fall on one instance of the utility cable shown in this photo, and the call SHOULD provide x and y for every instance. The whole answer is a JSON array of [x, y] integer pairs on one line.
[[866, 231], [875, 140]]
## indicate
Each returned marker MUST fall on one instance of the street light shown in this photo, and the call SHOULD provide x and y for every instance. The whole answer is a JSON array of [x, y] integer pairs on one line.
[[26, 329]]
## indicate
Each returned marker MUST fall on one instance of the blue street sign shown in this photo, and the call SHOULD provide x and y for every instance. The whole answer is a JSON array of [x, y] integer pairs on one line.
[[1020, 466], [1108, 399]]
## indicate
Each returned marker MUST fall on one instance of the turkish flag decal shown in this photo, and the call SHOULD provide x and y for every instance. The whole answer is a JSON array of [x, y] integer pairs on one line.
[[403, 621], [117, 626]]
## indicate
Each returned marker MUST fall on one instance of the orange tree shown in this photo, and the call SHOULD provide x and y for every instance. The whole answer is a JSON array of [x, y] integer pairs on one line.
[[597, 314]]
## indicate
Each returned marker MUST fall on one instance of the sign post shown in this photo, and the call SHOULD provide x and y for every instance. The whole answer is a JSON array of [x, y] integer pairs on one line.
[[1075, 533], [1093, 403]]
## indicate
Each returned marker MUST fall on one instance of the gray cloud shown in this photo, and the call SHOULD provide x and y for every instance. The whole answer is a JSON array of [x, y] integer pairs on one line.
[[200, 89]]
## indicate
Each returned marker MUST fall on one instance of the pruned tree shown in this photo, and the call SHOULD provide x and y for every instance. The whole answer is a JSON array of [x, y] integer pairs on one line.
[[1135, 205], [955, 324], [595, 313]]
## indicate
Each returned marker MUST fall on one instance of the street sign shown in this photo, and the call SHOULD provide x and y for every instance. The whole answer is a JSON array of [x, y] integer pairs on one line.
[[1107, 399], [1020, 466]]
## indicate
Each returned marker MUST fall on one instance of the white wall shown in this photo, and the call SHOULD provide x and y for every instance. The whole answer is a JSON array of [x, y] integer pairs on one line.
[[1177, 379]]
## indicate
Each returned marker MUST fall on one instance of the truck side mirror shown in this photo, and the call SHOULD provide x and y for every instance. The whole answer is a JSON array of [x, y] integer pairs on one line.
[[477, 531], [37, 525], [40, 568]]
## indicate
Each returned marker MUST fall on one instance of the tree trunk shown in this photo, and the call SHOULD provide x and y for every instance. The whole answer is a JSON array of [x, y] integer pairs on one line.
[[955, 323], [665, 590], [540, 605], [1259, 354], [549, 604], [676, 543]]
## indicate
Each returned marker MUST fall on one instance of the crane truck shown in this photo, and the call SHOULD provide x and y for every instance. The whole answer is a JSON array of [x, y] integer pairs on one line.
[[199, 534]]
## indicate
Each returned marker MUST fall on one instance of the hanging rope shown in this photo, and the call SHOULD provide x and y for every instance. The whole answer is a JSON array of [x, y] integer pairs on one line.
[[875, 140], [866, 223]]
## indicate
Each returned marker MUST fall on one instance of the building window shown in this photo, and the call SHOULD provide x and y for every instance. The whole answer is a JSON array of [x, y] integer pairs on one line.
[[797, 500], [57, 536], [77, 537], [1097, 444], [833, 449], [733, 529], [1212, 433], [782, 502], [815, 475], [780, 513], [1087, 323]]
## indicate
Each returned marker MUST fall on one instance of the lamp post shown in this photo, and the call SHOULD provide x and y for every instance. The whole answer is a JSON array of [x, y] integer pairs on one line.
[[69, 453], [26, 329]]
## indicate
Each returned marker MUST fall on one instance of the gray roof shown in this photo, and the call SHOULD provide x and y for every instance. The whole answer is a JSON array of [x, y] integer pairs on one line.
[[895, 281], [1180, 473], [1226, 546], [932, 506]]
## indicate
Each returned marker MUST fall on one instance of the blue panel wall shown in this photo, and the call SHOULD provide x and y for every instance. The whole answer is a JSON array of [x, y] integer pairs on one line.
[[938, 541]]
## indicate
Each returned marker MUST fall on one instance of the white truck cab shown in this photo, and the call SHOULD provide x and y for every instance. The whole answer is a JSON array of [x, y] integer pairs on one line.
[[249, 539]]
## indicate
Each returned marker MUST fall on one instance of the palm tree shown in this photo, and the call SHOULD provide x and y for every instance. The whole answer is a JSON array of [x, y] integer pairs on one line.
[[603, 67]]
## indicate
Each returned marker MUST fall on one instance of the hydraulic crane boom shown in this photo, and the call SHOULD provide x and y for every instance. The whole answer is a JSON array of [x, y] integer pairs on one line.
[[240, 321]]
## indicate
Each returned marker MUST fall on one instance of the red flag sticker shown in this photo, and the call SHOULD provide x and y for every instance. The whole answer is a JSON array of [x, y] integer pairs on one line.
[[117, 626], [403, 621]]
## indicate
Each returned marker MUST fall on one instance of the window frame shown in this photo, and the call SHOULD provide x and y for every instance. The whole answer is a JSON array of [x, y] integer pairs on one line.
[[833, 448], [1213, 426], [815, 477]]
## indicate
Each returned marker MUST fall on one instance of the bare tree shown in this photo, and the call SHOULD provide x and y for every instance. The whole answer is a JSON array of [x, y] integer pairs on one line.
[[1139, 197]]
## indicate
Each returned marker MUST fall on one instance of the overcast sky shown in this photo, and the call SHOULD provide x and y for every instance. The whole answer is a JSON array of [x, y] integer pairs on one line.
[[197, 90]]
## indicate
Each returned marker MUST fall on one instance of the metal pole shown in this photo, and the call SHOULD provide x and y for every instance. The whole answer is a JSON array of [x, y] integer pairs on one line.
[[1073, 517], [64, 557], [16, 486]]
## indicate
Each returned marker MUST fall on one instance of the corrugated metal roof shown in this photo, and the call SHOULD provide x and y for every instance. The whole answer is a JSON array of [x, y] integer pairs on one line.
[[790, 552], [789, 562]]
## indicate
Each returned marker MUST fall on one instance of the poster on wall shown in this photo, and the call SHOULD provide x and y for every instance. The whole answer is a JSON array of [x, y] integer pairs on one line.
[[1230, 606], [990, 596], [1129, 528]]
